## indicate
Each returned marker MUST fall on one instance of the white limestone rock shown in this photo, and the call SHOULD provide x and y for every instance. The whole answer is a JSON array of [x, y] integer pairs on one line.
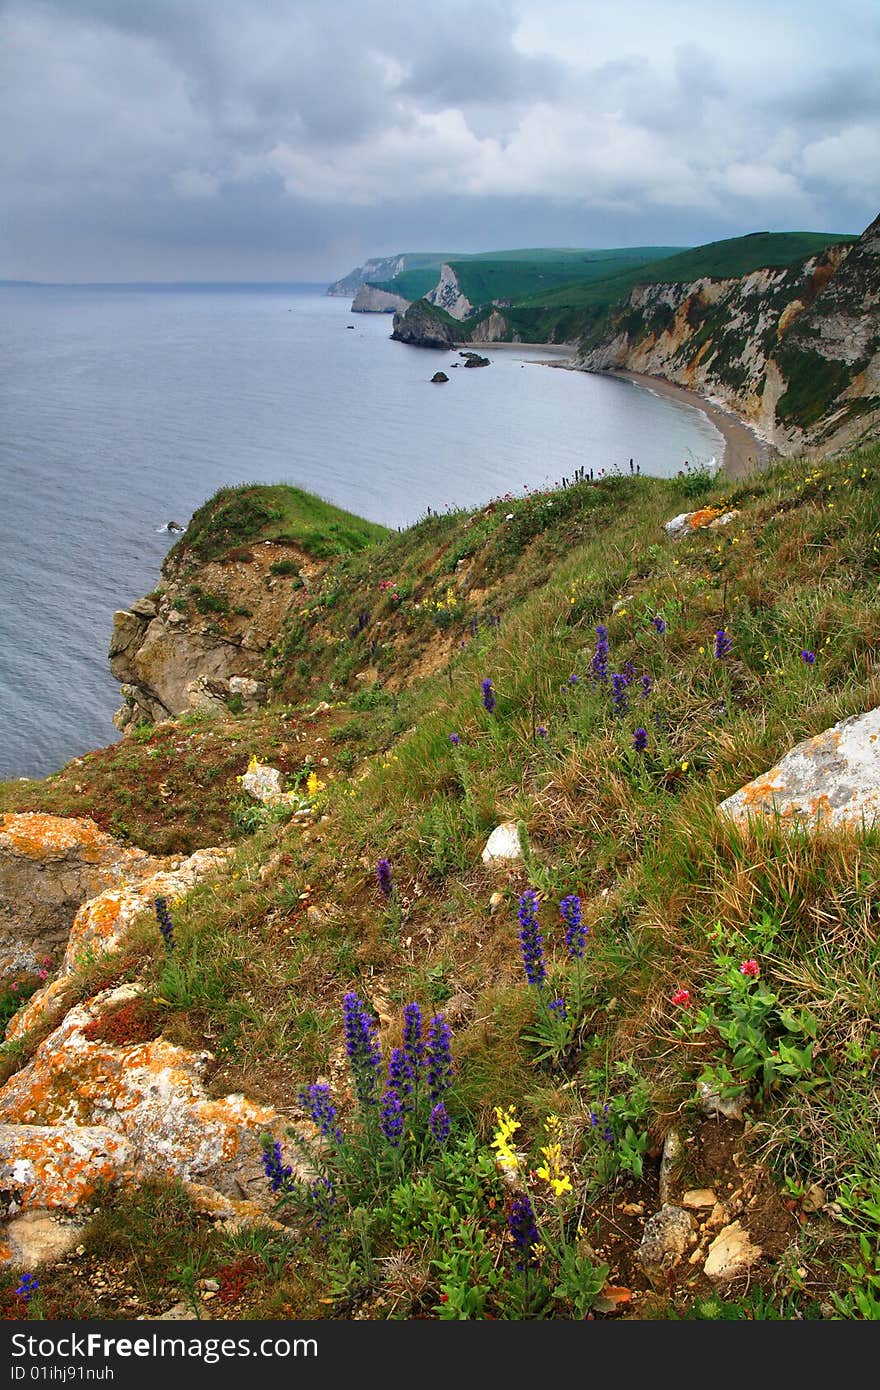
[[503, 844]]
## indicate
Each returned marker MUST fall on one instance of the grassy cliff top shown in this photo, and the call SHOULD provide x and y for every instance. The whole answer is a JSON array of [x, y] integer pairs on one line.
[[400, 638], [251, 512]]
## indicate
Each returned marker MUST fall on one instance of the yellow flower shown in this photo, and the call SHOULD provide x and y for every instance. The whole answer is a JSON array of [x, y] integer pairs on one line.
[[685, 766], [551, 1170], [313, 785], [506, 1159]]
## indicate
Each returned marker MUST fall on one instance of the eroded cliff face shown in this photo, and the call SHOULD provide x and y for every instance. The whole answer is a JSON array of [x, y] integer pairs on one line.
[[423, 326], [371, 300], [447, 294], [796, 351], [202, 638]]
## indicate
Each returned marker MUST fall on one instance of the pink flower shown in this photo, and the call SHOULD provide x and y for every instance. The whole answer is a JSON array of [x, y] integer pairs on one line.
[[750, 968], [682, 997], [43, 974], [14, 987]]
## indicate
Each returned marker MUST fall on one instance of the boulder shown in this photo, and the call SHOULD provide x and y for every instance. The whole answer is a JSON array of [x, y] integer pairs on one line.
[[831, 780], [37, 1238], [503, 844], [473, 359], [439, 376], [687, 522], [731, 1254], [665, 1239]]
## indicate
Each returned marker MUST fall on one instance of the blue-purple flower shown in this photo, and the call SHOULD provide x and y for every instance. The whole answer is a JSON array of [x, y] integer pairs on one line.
[[362, 1047], [166, 926], [277, 1171], [640, 739], [523, 1230], [391, 1117], [557, 1006], [723, 644], [439, 1123], [647, 686], [401, 1076], [619, 697], [413, 1045], [599, 663], [383, 877], [27, 1287], [315, 1100], [575, 931], [488, 694], [541, 731], [808, 657], [659, 624], [530, 940], [455, 739], [438, 1057]]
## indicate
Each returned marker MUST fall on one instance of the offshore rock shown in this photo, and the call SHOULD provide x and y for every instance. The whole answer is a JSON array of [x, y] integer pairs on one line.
[[829, 781]]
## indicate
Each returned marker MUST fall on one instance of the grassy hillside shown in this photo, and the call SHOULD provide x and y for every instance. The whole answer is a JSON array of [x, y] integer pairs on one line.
[[568, 313], [253, 511], [568, 1105]]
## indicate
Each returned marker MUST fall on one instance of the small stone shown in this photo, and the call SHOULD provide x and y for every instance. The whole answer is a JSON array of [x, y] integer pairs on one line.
[[212, 1285], [503, 844], [814, 1198], [713, 1104], [731, 1253], [699, 1197], [673, 1149], [495, 902], [664, 1241]]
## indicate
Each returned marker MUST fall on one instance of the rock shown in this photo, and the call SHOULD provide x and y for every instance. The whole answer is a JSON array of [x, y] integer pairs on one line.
[[665, 1239], [473, 359], [495, 902], [439, 376], [37, 1238], [145, 608], [713, 1104], [698, 1198], [731, 1253], [252, 693], [831, 781], [265, 783], [673, 1150], [422, 325], [814, 1199], [370, 300], [49, 865], [49, 1166], [208, 695], [503, 844], [687, 522]]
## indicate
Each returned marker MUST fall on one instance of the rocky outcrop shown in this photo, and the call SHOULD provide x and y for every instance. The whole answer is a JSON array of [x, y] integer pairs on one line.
[[425, 326], [687, 522], [371, 300], [378, 269], [829, 781], [201, 641], [494, 329], [49, 865], [448, 295], [795, 352]]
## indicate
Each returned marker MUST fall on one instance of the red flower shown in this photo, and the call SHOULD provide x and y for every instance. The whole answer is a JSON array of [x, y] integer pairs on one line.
[[682, 997], [750, 968]]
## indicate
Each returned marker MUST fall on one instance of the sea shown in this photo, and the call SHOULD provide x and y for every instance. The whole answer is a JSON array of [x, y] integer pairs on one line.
[[125, 407]]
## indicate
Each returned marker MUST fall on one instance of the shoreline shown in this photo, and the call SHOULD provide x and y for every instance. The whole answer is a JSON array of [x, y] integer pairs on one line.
[[744, 449]]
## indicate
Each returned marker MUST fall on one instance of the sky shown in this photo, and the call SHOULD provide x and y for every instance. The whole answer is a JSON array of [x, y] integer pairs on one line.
[[293, 139]]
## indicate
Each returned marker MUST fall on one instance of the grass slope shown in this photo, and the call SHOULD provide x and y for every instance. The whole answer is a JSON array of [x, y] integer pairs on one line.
[[400, 638]]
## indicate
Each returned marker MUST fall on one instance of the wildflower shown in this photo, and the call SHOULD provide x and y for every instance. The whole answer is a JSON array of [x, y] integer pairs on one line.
[[413, 1045], [647, 686], [455, 740], [27, 1287], [629, 671], [530, 940], [322, 1200], [316, 1102], [313, 785], [42, 974], [383, 875], [575, 931], [599, 663], [401, 1076], [573, 680], [682, 997], [618, 693], [557, 1006], [640, 739], [603, 1120], [523, 1231], [541, 731], [750, 968], [438, 1057], [723, 644], [659, 624], [277, 1171], [488, 694], [552, 1171], [166, 926], [507, 1160], [391, 1118], [362, 1047], [439, 1123], [808, 657]]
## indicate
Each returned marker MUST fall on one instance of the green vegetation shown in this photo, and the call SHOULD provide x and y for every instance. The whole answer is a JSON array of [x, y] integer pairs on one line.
[[745, 961], [240, 516]]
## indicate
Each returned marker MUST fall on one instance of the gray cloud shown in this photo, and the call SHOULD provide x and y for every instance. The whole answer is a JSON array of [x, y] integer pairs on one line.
[[270, 139]]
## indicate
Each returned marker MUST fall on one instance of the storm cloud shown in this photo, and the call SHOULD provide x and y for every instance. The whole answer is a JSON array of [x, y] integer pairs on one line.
[[290, 139]]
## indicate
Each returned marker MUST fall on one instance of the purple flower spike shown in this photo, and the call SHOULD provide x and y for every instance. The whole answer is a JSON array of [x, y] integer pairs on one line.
[[530, 940]]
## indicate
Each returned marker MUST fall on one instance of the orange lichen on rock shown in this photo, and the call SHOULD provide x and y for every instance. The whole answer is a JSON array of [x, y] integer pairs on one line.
[[50, 1166], [39, 1007], [702, 516]]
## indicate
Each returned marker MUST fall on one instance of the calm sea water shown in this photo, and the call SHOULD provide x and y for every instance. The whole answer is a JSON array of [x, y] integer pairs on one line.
[[123, 408]]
